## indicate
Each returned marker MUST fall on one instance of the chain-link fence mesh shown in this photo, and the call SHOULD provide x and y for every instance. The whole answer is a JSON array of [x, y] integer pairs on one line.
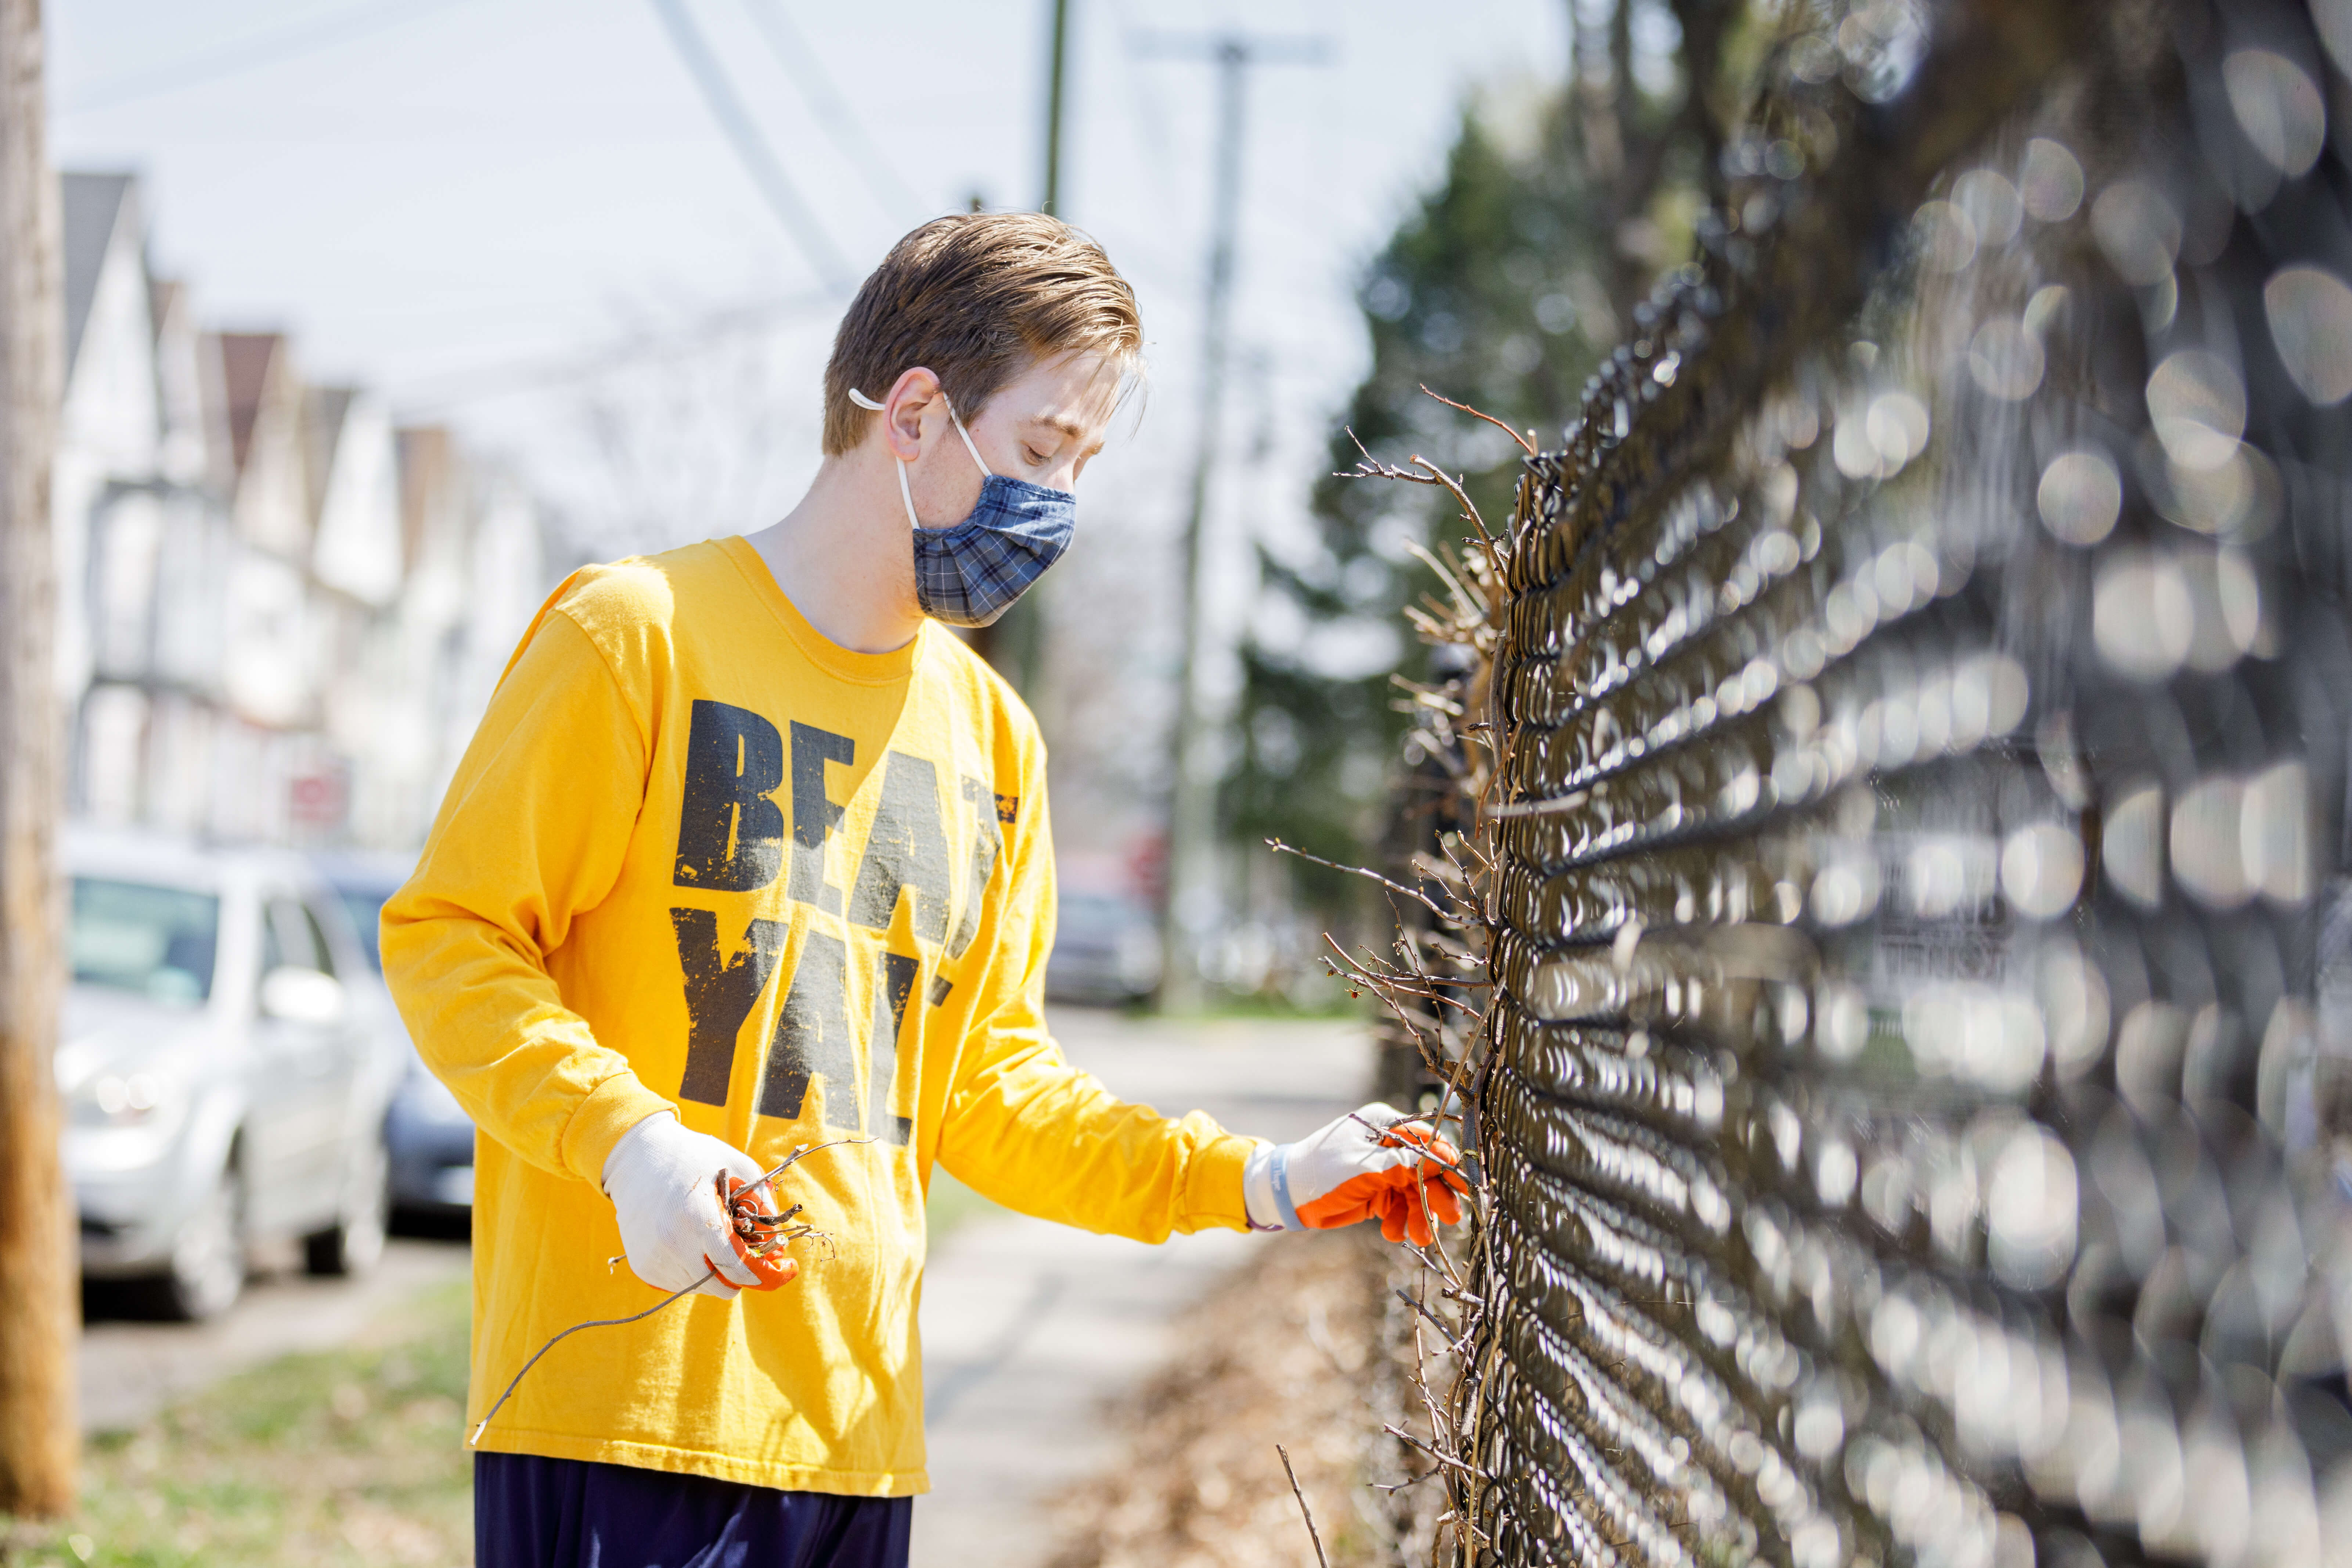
[[1909, 1089]]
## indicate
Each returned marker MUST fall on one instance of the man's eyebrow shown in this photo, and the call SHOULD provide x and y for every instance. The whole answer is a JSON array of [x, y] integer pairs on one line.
[[1068, 424]]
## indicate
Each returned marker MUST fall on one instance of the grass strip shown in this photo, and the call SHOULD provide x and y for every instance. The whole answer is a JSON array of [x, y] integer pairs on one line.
[[348, 1457]]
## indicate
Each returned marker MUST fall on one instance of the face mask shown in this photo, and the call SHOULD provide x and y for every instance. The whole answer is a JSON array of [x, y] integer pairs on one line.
[[969, 573]]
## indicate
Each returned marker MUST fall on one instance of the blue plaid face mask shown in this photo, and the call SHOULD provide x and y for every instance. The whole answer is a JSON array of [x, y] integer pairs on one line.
[[969, 573]]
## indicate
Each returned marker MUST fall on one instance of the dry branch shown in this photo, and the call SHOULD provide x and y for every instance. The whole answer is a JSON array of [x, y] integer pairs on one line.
[[1312, 1533]]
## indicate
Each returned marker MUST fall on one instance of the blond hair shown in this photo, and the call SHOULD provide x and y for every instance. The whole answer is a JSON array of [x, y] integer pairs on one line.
[[976, 298]]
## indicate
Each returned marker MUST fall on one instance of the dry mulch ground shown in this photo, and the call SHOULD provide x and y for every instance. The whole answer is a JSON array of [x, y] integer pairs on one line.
[[1286, 1351]]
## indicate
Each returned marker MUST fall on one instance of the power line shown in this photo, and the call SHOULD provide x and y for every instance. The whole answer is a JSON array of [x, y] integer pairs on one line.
[[842, 126], [315, 36], [1150, 115], [449, 389], [751, 147]]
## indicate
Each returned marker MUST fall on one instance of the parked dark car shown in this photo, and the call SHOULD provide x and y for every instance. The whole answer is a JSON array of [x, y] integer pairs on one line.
[[428, 1136], [1106, 951]]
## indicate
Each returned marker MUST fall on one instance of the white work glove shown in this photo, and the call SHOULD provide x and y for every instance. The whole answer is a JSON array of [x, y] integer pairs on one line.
[[661, 1177], [1403, 1176]]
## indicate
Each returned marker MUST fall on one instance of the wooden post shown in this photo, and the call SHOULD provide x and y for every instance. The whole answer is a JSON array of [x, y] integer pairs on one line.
[[39, 1314]]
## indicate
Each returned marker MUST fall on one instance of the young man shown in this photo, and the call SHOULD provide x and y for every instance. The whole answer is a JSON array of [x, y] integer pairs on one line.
[[747, 855]]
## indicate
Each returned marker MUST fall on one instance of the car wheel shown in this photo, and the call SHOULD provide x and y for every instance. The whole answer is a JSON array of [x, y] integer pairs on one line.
[[354, 1243], [208, 1268]]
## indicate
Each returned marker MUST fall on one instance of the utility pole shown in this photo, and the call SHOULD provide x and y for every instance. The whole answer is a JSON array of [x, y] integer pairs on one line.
[[1190, 908], [1056, 76], [1013, 644], [39, 1433]]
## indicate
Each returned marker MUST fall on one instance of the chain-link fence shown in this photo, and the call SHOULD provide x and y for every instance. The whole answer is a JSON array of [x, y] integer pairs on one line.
[[1908, 1097]]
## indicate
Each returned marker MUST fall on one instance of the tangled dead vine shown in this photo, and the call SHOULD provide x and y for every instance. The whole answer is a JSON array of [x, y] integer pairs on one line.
[[1433, 982]]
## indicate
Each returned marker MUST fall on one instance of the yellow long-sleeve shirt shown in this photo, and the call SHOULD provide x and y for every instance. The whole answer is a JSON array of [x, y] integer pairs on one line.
[[699, 857]]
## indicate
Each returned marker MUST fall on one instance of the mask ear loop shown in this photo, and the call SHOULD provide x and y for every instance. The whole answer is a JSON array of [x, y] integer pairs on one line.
[[957, 420], [862, 401], [905, 497]]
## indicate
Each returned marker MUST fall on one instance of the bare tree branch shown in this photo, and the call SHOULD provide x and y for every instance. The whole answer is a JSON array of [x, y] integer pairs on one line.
[[1525, 445], [1312, 1533]]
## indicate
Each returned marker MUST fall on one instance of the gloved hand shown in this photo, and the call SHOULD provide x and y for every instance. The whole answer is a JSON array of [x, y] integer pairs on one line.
[[661, 1177], [1401, 1174]]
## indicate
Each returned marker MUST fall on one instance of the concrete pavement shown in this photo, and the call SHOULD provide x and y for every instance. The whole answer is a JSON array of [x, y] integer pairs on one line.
[[1030, 1329]]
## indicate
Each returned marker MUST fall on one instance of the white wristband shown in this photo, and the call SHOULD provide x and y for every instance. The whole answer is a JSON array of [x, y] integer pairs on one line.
[[1261, 1188]]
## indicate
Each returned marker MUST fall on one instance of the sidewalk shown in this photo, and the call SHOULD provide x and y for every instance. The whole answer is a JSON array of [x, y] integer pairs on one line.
[[1029, 1329]]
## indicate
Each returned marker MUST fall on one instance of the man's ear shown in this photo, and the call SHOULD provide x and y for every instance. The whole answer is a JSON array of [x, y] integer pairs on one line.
[[914, 394]]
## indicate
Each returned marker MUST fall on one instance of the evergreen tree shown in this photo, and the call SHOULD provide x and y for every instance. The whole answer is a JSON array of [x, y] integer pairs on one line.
[[1501, 290]]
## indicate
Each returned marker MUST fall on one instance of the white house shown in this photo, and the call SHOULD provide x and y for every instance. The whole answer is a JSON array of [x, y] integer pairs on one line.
[[106, 507], [278, 615]]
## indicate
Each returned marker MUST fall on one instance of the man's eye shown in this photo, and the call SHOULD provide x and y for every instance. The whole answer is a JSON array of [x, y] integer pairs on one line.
[[1036, 458]]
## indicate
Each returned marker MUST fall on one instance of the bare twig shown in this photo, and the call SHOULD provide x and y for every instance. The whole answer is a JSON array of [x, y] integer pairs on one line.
[[1525, 445], [1435, 985], [1469, 508], [1279, 848], [1312, 1533], [1444, 574], [1452, 1346], [1420, 1150], [1443, 1458], [1371, 468], [1427, 696], [802, 1152]]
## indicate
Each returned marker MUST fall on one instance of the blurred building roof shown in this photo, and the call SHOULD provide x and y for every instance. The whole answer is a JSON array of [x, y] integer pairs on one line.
[[246, 360], [93, 207], [164, 296], [324, 409], [428, 488]]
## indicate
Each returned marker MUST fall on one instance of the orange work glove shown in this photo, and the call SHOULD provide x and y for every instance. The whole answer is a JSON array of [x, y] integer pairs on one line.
[[1370, 1165]]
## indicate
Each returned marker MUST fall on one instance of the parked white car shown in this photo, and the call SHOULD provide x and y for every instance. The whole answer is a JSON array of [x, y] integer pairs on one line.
[[225, 1057]]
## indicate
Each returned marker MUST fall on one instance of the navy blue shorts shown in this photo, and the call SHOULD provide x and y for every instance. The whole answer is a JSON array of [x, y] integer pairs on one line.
[[531, 1513]]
